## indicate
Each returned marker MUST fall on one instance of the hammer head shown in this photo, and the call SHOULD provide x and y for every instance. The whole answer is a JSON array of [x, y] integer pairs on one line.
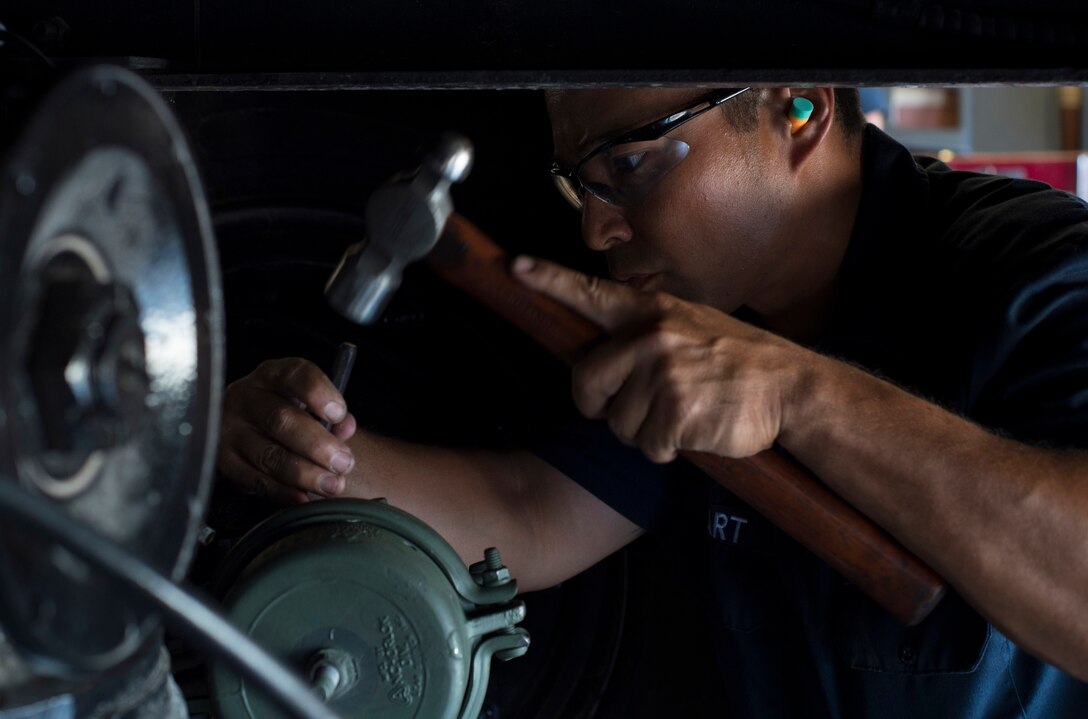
[[404, 221]]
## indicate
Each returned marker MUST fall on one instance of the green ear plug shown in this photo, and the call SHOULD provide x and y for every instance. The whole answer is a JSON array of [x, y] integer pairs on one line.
[[800, 112]]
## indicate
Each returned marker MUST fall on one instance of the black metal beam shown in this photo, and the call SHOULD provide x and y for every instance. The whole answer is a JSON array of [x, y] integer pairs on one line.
[[331, 44], [528, 80]]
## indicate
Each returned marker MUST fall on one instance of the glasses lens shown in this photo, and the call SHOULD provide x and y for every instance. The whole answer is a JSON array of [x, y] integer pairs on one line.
[[570, 191], [623, 174]]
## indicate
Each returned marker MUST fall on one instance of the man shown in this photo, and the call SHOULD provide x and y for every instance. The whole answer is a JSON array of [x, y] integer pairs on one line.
[[747, 259]]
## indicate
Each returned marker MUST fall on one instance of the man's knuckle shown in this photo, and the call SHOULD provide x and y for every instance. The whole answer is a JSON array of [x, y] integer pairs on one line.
[[659, 301], [292, 369], [271, 458], [620, 428], [231, 391], [660, 335], [579, 375], [280, 420], [293, 373], [667, 373], [667, 366], [270, 368], [585, 401], [656, 305], [591, 285], [259, 486], [654, 450], [675, 405], [590, 378]]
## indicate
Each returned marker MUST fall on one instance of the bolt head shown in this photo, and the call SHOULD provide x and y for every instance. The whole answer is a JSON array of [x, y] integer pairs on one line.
[[84, 361], [490, 577]]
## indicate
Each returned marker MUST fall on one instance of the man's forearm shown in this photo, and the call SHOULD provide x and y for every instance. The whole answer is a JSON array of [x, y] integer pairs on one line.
[[467, 497], [547, 527], [1002, 521]]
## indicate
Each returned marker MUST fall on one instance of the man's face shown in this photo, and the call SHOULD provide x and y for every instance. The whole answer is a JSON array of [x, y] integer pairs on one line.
[[709, 230]]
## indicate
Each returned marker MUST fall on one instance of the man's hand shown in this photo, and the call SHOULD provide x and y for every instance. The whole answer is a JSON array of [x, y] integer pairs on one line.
[[673, 375], [271, 441]]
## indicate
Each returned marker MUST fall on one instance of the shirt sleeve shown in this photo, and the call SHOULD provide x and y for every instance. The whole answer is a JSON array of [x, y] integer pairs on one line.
[[621, 477], [1030, 374]]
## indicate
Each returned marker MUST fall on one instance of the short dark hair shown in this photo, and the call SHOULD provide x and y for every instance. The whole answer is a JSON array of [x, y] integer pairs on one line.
[[743, 111]]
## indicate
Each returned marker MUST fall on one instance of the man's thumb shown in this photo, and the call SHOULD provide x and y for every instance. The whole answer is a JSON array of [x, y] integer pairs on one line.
[[608, 304]]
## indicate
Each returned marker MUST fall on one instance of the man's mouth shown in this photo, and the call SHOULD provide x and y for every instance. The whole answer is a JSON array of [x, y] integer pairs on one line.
[[639, 282]]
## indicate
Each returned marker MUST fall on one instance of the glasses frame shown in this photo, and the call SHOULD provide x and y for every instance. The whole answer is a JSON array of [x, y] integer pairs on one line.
[[650, 131]]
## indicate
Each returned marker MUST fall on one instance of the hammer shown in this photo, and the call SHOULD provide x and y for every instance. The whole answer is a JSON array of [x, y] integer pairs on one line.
[[412, 217]]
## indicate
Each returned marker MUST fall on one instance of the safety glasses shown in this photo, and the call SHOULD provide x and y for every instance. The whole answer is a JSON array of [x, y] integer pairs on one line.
[[624, 169]]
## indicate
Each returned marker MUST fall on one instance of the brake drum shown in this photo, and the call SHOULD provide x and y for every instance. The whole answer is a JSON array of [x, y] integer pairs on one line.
[[374, 607], [111, 353]]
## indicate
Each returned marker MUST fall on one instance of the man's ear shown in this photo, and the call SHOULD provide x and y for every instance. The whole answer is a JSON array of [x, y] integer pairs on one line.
[[805, 135]]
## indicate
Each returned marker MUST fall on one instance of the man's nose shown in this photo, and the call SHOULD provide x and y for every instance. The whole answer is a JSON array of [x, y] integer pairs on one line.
[[603, 225]]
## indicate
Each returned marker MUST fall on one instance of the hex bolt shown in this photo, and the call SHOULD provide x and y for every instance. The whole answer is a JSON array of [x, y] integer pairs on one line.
[[490, 572], [205, 536], [505, 655], [332, 672], [325, 678]]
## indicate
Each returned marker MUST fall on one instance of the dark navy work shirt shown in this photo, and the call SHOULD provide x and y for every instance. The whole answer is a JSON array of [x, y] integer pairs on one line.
[[969, 290]]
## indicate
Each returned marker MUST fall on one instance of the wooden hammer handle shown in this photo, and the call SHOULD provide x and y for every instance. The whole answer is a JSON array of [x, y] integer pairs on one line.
[[774, 484]]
